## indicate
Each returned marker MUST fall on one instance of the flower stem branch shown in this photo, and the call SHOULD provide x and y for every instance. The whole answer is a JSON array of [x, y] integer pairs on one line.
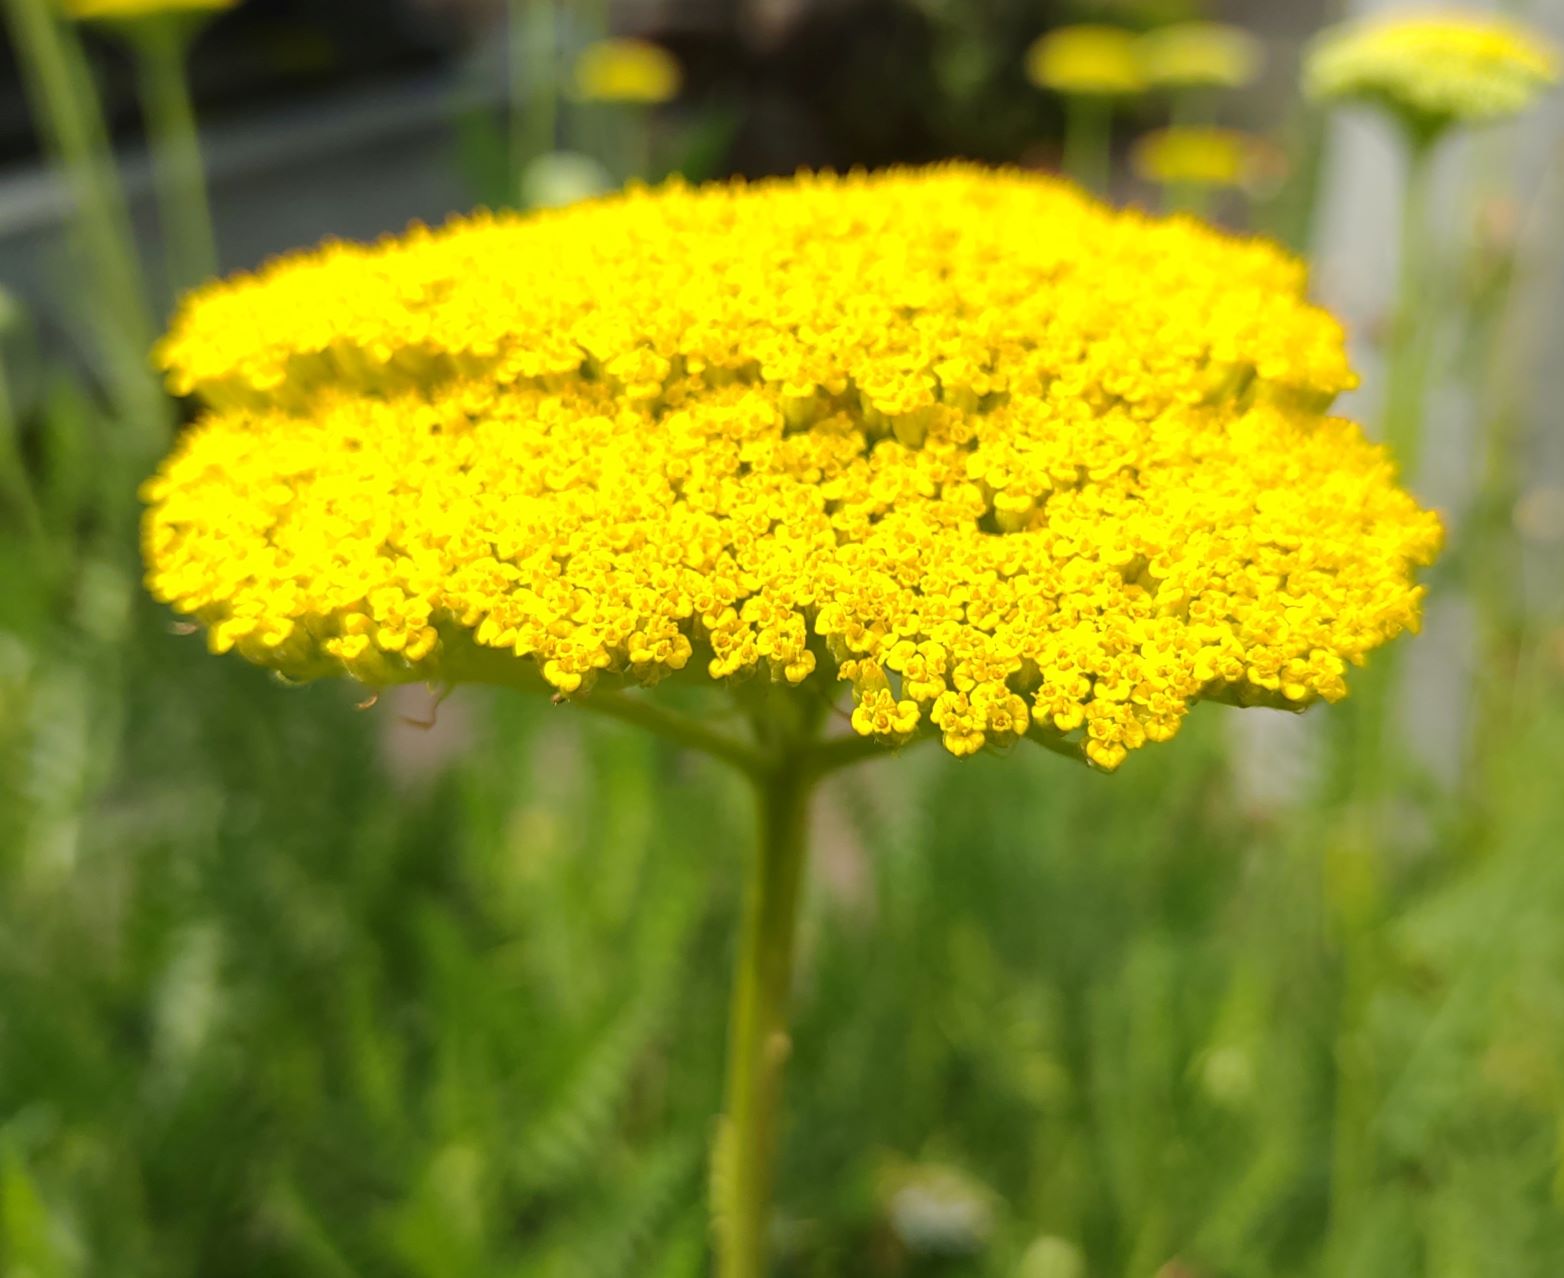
[[743, 1168], [674, 727]]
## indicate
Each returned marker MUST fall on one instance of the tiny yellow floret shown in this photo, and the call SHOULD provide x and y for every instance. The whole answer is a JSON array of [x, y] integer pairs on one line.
[[1004, 460], [1193, 55], [1433, 69], [1086, 59], [627, 70]]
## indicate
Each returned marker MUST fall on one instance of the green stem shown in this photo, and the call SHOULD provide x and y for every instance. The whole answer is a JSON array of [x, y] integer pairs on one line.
[[1373, 757], [758, 1042], [1191, 198], [1413, 327], [66, 105], [1087, 134], [14, 483], [1291, 213], [534, 89], [190, 243]]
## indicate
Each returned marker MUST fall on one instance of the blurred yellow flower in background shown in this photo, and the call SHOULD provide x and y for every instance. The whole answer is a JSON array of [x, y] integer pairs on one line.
[[1010, 462], [117, 10], [627, 71], [1434, 68], [1086, 59], [1205, 157], [1189, 55]]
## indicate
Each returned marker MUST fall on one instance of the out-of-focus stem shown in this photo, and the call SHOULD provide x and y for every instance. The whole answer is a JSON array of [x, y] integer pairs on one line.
[[68, 114], [1087, 135], [162, 47], [1192, 198], [1373, 756], [14, 485], [1414, 326], [533, 33]]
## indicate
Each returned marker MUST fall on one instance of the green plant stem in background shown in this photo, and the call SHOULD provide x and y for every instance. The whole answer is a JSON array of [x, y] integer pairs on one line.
[[14, 485], [758, 1042], [533, 33], [66, 105], [162, 47], [1192, 198], [1290, 214], [1413, 328], [1373, 757], [1087, 136]]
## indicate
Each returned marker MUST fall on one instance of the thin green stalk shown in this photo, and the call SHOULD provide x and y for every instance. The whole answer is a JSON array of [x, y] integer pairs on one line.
[[1087, 135], [533, 32], [1372, 759], [1191, 198], [66, 105], [190, 244], [758, 1044], [1413, 329], [14, 484], [1291, 213]]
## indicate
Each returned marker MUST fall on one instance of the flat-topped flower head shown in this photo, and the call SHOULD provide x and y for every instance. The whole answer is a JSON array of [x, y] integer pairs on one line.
[[1088, 59], [1195, 55], [1005, 460], [627, 71], [1433, 69], [1205, 157], [130, 10]]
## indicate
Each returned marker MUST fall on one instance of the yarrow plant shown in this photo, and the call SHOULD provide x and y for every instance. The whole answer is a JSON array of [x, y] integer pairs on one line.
[[1431, 72], [1091, 66], [991, 460], [1433, 69]]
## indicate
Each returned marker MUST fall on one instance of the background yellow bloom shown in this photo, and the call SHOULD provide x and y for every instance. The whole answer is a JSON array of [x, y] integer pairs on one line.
[[1205, 157], [95, 10], [1087, 58], [1200, 54], [627, 71], [1435, 68]]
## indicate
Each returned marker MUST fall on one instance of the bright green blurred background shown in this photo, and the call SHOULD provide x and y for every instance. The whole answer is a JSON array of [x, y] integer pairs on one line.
[[294, 986]]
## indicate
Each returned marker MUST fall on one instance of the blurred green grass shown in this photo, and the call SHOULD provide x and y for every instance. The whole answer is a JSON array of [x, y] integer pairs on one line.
[[276, 1001]]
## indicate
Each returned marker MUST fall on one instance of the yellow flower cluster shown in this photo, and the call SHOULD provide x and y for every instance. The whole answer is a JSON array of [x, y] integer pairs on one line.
[[124, 10], [1005, 459], [1435, 68], [1087, 58], [1200, 55], [1100, 60], [627, 70], [1203, 157]]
